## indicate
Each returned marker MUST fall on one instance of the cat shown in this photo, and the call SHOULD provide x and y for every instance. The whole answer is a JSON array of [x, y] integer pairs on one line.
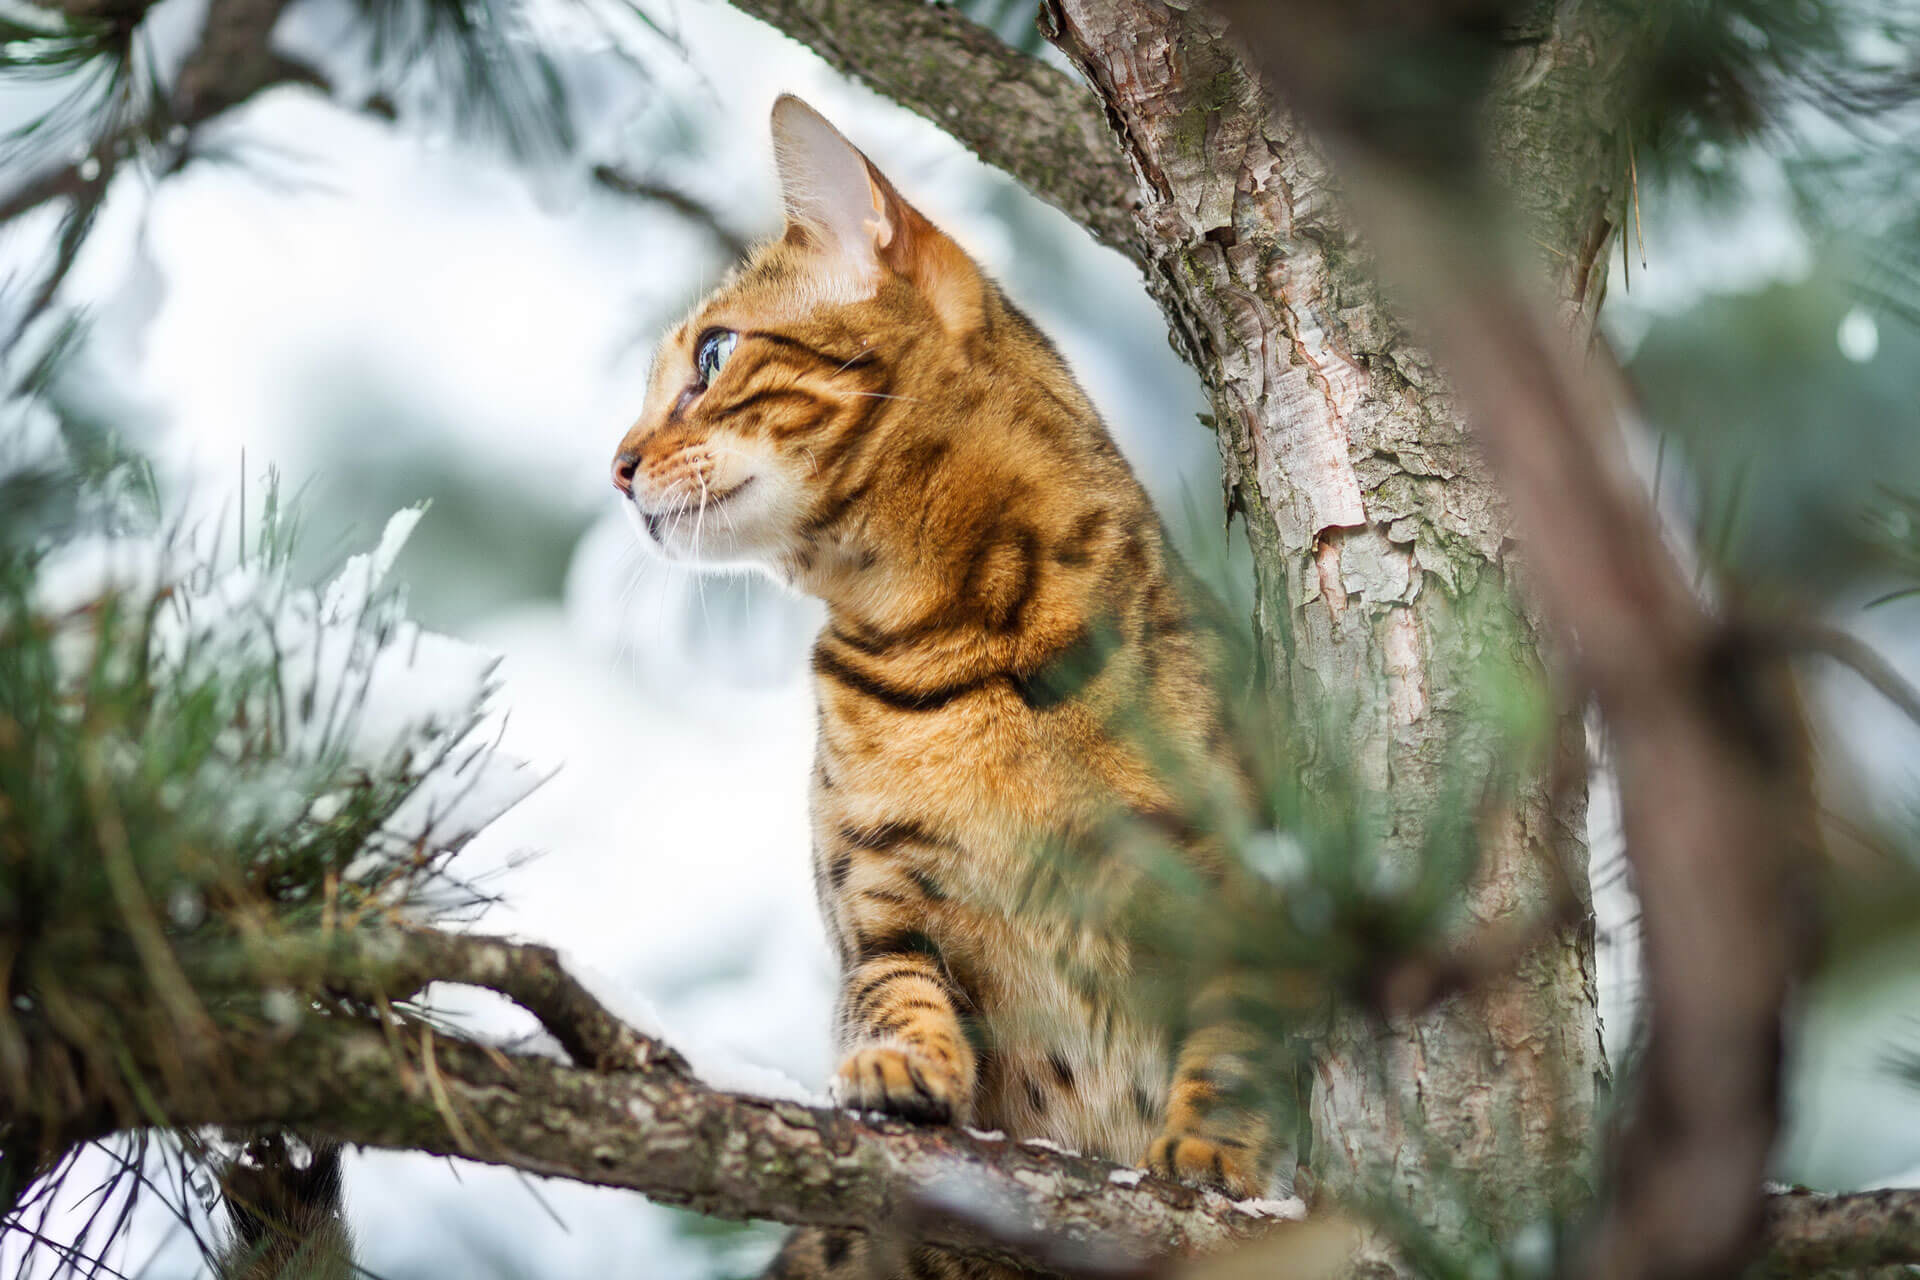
[[1009, 665]]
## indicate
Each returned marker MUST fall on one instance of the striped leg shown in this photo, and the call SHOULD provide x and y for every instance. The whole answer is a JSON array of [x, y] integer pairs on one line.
[[1218, 1130], [906, 1052]]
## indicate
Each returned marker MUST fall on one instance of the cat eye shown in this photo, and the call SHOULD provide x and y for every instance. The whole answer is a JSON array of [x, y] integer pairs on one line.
[[710, 354]]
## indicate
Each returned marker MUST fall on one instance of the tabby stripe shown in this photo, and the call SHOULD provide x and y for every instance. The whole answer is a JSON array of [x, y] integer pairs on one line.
[[825, 664], [835, 1248], [1067, 674], [766, 394], [1077, 548], [836, 507], [901, 942], [888, 835], [853, 433], [857, 998], [861, 360]]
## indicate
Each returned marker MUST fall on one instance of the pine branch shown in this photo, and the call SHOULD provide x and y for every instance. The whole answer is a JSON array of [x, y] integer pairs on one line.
[[636, 1118], [233, 62], [1012, 110], [694, 210], [397, 965]]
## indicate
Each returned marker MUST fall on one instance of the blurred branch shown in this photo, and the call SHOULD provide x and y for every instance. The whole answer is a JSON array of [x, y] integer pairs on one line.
[[1012, 110], [1808, 1233], [643, 1123], [115, 11], [233, 62], [696, 211], [1846, 649], [1714, 784]]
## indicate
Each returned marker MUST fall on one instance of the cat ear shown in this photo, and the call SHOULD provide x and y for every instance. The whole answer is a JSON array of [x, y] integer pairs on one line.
[[826, 185], [836, 201]]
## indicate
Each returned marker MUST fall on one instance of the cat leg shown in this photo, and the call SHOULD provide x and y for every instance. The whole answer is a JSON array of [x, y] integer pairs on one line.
[[1219, 1129], [906, 1051]]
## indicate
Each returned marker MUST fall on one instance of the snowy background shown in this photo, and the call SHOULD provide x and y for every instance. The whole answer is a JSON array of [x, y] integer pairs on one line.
[[385, 316]]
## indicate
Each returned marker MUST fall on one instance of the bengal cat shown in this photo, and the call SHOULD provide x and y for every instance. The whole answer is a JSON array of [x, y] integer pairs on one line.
[[861, 411]]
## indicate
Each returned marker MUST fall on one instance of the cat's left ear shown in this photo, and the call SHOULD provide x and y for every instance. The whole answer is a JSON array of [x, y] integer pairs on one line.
[[838, 203]]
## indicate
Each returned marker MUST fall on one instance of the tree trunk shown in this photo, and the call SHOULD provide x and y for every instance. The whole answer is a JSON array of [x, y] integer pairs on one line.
[[1385, 582]]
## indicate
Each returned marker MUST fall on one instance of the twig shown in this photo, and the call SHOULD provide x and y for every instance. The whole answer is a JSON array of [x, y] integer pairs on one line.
[[1845, 648], [233, 62], [396, 964], [696, 211]]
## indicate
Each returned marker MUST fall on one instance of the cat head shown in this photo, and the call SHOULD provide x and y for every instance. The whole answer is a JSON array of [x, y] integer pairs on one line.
[[771, 406]]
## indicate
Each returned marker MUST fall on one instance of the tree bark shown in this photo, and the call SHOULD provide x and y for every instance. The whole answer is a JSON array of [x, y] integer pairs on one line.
[[1385, 580]]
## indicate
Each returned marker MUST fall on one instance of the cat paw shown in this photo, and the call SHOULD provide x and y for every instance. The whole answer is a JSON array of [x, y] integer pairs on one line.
[[900, 1083], [1223, 1164]]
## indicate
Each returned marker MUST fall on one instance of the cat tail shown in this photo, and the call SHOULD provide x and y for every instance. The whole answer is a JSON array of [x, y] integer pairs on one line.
[[286, 1211]]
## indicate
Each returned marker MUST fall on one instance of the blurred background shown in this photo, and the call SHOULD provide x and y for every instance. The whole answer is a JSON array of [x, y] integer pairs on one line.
[[388, 292]]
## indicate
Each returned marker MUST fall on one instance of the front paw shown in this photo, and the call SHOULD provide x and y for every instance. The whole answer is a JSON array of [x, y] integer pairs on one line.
[[1222, 1164], [901, 1083]]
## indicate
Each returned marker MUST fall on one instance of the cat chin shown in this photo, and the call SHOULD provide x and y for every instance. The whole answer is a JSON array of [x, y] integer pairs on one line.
[[731, 537]]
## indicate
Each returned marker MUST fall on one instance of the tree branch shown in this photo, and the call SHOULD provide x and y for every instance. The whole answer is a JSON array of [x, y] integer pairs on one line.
[[398, 965], [1013, 111], [638, 1119], [643, 1122]]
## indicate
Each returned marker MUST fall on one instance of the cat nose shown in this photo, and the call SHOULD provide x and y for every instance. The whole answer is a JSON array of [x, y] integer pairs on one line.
[[624, 465]]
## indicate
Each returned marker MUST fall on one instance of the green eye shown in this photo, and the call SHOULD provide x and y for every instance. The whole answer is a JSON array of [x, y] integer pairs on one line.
[[710, 356]]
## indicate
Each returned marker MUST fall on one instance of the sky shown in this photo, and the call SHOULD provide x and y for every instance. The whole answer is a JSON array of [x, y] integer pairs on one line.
[[380, 316]]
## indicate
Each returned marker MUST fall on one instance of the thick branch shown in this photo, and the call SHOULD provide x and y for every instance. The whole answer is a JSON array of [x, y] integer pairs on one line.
[[1013, 111], [646, 1123]]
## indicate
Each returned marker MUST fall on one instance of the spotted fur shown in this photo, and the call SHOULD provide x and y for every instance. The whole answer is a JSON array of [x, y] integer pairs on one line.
[[1007, 669]]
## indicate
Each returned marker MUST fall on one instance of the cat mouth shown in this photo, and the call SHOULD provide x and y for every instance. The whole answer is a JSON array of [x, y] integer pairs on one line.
[[657, 521]]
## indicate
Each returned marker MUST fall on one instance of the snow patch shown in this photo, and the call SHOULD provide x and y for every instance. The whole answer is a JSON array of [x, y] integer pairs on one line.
[[1292, 1209]]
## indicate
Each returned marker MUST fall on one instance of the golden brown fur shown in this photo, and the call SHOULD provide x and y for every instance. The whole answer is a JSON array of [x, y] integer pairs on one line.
[[1007, 668]]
